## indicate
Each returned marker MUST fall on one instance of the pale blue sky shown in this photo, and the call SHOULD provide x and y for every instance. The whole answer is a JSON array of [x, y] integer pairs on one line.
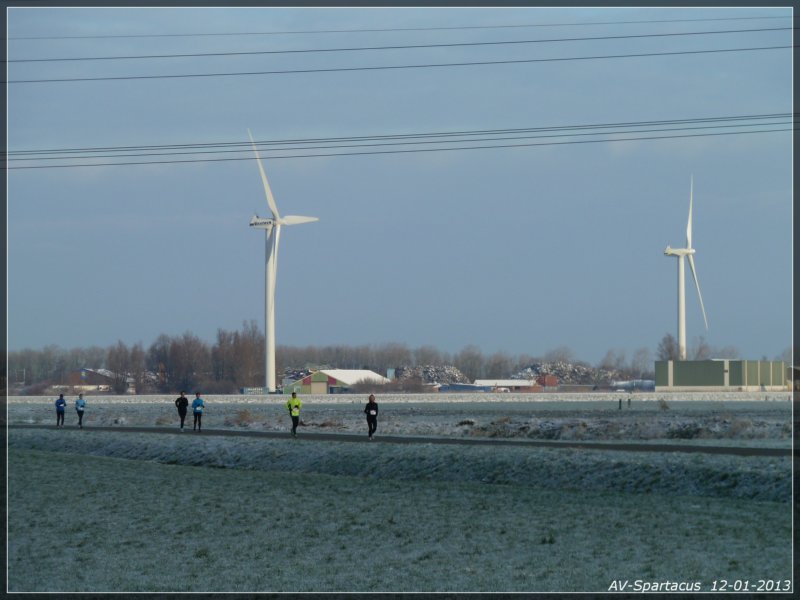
[[515, 250]]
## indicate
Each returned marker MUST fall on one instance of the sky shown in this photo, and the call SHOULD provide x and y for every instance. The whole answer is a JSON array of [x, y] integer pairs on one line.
[[511, 249]]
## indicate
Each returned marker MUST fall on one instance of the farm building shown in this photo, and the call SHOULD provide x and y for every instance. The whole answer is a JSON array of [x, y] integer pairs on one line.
[[721, 375], [333, 381], [94, 380], [462, 388], [509, 385]]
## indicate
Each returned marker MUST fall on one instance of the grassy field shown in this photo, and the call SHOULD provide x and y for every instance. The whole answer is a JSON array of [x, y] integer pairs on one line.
[[94, 523]]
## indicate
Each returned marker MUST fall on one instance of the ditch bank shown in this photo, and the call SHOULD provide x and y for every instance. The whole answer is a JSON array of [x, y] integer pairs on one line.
[[722, 476]]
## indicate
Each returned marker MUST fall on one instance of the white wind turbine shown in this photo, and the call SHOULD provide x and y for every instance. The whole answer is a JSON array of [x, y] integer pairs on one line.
[[272, 229], [680, 253]]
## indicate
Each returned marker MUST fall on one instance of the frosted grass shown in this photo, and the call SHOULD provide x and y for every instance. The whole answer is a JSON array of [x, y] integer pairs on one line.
[[749, 419], [753, 477], [437, 398], [94, 524], [105, 511]]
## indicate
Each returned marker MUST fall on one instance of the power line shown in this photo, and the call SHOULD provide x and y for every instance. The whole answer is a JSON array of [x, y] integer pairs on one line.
[[408, 143], [399, 140], [391, 29], [391, 67], [414, 151], [396, 47], [413, 135]]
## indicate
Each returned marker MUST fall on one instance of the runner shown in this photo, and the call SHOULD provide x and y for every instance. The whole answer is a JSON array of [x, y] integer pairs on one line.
[[197, 408], [182, 403], [80, 406], [371, 410], [294, 405], [61, 404]]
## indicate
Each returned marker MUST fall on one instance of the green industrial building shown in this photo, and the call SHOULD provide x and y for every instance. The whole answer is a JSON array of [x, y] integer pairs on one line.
[[722, 375]]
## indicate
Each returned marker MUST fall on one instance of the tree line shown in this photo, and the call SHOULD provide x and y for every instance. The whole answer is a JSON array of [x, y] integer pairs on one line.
[[235, 359]]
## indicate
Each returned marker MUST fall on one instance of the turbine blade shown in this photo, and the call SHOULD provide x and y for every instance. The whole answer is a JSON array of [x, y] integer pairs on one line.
[[295, 220], [270, 199], [276, 238], [697, 285], [689, 224]]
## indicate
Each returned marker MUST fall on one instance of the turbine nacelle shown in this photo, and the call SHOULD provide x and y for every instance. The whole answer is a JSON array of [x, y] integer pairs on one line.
[[261, 222], [678, 251]]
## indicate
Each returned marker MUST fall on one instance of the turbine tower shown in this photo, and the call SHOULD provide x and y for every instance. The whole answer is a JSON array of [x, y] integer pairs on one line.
[[680, 253], [272, 229]]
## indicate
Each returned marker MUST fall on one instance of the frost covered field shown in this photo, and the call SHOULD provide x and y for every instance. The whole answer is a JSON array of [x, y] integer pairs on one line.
[[115, 511], [748, 418]]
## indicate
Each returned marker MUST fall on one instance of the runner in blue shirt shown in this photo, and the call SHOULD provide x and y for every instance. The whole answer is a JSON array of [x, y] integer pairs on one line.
[[197, 408], [61, 404], [80, 406]]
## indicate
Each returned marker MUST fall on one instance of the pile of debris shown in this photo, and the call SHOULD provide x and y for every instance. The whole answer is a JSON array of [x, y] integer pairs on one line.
[[431, 374], [290, 374], [569, 373]]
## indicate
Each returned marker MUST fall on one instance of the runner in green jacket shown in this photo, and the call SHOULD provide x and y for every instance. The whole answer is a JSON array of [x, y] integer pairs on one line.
[[294, 404]]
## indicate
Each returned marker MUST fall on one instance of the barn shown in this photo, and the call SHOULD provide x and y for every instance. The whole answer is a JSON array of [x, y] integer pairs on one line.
[[333, 381], [95, 380], [510, 385]]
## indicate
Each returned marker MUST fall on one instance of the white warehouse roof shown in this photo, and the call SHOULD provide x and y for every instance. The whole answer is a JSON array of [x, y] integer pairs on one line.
[[353, 376]]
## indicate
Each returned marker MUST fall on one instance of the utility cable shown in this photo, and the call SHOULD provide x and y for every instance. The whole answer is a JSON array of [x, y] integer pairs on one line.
[[414, 151], [394, 143], [415, 135], [396, 47], [393, 29], [395, 67]]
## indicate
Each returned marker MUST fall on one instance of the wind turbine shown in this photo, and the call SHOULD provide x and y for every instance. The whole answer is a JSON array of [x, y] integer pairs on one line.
[[272, 229], [680, 253]]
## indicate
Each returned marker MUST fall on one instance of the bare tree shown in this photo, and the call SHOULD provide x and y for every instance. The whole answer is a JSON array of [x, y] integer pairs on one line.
[[498, 366], [427, 355], [701, 349], [641, 363], [614, 360], [470, 362], [189, 362], [138, 368], [392, 355], [222, 356], [118, 360], [93, 357], [727, 352], [158, 361], [523, 361], [667, 348], [559, 354], [248, 356]]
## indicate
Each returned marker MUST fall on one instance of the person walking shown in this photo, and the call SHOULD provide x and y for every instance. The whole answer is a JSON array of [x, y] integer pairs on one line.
[[61, 406], [197, 408], [182, 403], [371, 410], [80, 406], [294, 405]]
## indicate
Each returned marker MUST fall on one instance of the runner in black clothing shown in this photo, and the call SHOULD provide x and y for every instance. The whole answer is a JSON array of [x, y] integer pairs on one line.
[[371, 410], [182, 403]]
